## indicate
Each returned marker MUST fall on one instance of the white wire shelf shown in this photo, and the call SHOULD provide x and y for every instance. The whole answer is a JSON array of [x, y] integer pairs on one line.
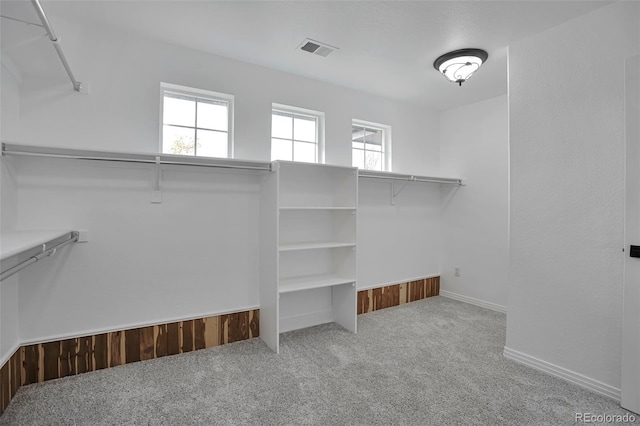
[[406, 177]]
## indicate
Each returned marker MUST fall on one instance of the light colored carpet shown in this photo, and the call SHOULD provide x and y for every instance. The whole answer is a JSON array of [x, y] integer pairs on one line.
[[431, 362]]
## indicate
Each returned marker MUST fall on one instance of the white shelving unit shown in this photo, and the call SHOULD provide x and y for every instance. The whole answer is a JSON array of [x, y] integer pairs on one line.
[[307, 244]]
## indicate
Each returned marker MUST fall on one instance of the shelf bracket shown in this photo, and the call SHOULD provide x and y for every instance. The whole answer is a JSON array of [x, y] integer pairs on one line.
[[394, 193], [156, 194]]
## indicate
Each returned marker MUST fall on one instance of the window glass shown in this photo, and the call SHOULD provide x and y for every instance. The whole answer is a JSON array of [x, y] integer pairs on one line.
[[213, 115], [304, 151], [281, 126], [304, 129], [212, 144], [281, 149], [178, 140], [179, 111], [368, 146]]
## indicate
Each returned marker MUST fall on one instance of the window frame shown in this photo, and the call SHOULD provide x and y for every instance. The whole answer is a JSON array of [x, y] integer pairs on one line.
[[386, 141], [205, 95], [303, 112]]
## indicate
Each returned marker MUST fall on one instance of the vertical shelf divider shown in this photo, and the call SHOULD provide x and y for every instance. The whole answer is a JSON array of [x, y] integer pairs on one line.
[[268, 253]]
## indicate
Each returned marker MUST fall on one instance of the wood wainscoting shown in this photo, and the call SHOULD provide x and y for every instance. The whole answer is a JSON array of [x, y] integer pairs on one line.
[[52, 360], [10, 380], [378, 298]]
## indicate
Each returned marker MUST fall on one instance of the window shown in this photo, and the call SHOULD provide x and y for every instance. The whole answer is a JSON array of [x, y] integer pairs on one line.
[[296, 134], [370, 146], [196, 122]]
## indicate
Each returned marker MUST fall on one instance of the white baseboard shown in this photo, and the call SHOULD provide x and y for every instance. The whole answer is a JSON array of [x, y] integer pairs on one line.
[[6, 356], [305, 320], [472, 301], [564, 374]]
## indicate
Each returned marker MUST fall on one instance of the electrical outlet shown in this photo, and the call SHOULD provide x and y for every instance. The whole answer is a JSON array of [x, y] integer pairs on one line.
[[456, 271]]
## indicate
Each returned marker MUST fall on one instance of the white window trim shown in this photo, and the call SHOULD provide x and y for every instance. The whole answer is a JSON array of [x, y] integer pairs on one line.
[[386, 141], [201, 93], [309, 112]]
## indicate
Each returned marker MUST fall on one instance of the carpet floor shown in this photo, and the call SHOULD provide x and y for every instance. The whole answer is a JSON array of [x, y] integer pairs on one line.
[[432, 362]]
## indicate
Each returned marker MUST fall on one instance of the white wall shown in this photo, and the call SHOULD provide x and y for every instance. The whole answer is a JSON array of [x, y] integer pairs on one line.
[[474, 145], [122, 111], [566, 99], [400, 242], [9, 130], [193, 255], [196, 253]]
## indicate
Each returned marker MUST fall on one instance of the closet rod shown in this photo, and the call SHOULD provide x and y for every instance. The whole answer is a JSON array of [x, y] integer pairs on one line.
[[77, 86], [411, 178], [73, 237], [76, 154]]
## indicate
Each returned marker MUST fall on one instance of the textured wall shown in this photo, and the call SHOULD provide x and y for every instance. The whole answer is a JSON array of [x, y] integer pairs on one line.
[[566, 92], [9, 131], [124, 72], [474, 146], [194, 255], [399, 242]]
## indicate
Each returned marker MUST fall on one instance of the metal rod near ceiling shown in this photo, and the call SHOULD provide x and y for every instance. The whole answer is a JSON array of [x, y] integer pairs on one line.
[[73, 237], [77, 86]]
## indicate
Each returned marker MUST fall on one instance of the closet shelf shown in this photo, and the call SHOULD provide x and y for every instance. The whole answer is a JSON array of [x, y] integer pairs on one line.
[[412, 178], [16, 242], [288, 285], [317, 208], [313, 246], [179, 160]]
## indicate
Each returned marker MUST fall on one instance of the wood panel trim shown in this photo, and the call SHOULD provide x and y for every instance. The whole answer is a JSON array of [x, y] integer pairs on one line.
[[10, 379], [374, 299], [40, 362]]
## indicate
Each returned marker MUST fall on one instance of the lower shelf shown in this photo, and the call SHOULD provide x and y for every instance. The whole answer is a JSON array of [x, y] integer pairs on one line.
[[312, 281]]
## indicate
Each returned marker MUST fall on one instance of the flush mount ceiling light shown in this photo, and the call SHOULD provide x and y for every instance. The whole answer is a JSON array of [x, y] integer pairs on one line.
[[458, 66]]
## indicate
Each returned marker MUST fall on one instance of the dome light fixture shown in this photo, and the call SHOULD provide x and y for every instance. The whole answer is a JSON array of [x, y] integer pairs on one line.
[[458, 66]]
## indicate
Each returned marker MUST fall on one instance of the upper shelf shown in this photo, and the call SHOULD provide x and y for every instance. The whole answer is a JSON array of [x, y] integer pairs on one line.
[[16, 242], [317, 208], [181, 160], [314, 246], [413, 178], [229, 163]]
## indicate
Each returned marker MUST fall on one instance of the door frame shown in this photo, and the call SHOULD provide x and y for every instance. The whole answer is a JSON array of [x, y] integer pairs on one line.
[[630, 362]]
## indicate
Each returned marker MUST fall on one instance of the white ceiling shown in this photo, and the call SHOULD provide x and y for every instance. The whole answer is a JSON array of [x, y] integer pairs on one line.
[[386, 47]]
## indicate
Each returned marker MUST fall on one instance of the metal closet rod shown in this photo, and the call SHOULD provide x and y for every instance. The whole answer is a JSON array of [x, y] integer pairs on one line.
[[77, 86], [73, 237], [36, 151], [410, 178]]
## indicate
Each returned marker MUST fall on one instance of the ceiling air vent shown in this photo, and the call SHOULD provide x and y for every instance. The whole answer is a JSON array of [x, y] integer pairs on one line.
[[316, 47]]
